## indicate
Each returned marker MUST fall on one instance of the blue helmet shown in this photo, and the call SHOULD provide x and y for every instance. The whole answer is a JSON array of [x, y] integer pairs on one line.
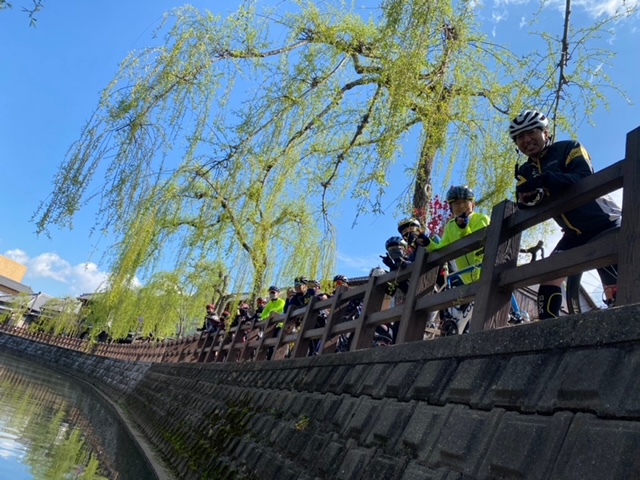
[[460, 193]]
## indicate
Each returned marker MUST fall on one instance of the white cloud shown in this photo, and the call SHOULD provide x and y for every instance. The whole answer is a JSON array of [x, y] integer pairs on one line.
[[360, 265], [597, 8], [594, 8], [500, 3], [81, 278]]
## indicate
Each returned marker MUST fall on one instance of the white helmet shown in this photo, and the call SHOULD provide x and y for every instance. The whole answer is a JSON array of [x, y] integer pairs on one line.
[[527, 120], [377, 271]]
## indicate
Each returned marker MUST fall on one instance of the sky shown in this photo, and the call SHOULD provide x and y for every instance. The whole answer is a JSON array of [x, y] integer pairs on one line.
[[52, 75]]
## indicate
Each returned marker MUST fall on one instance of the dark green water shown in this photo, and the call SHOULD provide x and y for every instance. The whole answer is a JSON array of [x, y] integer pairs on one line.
[[56, 427]]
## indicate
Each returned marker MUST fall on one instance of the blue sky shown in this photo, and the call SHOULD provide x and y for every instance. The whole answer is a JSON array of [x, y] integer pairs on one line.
[[52, 76]]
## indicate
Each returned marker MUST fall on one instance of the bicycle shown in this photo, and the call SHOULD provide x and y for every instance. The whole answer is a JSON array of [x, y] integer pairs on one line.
[[457, 318], [585, 286]]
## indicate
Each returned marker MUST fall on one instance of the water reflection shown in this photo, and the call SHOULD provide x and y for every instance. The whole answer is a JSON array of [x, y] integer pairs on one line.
[[52, 427]]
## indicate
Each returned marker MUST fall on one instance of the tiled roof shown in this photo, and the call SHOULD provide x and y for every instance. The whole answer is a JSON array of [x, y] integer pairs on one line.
[[15, 286]]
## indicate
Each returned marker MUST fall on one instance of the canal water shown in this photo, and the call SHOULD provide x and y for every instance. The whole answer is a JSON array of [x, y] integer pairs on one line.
[[56, 427]]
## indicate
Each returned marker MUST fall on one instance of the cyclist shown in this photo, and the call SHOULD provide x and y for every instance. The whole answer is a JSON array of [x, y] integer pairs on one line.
[[261, 302], [211, 320], [275, 306], [550, 168], [461, 200], [396, 256], [300, 298], [414, 236], [242, 316], [465, 221]]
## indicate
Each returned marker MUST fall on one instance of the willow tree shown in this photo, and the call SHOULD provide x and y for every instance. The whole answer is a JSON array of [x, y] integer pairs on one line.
[[237, 137]]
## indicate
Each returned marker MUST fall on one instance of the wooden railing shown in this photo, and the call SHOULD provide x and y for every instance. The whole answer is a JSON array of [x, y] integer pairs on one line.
[[492, 293]]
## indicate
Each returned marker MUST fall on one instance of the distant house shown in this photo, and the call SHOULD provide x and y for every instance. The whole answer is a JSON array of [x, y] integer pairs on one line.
[[12, 287]]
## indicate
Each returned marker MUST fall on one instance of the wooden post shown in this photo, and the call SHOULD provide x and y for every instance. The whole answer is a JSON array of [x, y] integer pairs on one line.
[[411, 329], [224, 337], [281, 333], [629, 256], [491, 308], [260, 353], [332, 320], [301, 347], [235, 332], [245, 353], [373, 298]]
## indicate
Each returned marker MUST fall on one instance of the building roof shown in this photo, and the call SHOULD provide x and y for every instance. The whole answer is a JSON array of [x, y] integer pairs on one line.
[[14, 286], [35, 303]]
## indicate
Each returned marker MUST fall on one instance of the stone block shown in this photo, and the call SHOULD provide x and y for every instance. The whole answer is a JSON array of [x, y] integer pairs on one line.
[[525, 446], [375, 377], [523, 380], [389, 424], [629, 397], [290, 379], [398, 382], [364, 417], [268, 467], [596, 449], [432, 380], [585, 381], [354, 463], [316, 444], [415, 471], [356, 376], [330, 458], [317, 379], [345, 412], [328, 408], [384, 467], [278, 432], [334, 383], [463, 440], [472, 379], [423, 429], [295, 442]]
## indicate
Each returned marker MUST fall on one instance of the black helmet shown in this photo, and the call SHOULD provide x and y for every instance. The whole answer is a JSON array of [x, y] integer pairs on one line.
[[383, 335], [408, 222], [302, 280], [273, 288], [395, 242], [527, 120], [341, 278], [460, 193]]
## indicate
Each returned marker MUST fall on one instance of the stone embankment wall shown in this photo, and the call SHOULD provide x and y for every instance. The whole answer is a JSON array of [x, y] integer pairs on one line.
[[551, 400]]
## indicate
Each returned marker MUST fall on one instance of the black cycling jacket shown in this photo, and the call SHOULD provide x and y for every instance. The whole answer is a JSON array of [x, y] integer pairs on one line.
[[562, 164]]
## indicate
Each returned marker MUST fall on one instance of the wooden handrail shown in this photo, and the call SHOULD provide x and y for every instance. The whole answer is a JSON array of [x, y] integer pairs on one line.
[[499, 277]]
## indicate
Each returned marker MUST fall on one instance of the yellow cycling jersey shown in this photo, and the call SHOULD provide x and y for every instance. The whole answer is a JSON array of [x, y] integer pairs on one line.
[[453, 232]]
